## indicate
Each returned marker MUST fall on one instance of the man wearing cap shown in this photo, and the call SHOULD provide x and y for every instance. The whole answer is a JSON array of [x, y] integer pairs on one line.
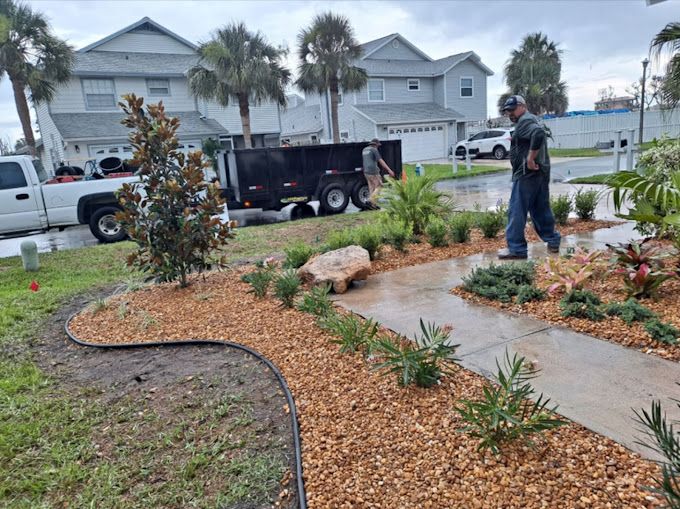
[[530, 183], [373, 161]]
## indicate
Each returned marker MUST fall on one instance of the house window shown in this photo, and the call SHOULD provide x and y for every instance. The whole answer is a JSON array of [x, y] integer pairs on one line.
[[344, 135], [376, 90], [466, 87], [314, 138], [413, 84], [99, 94], [158, 86]]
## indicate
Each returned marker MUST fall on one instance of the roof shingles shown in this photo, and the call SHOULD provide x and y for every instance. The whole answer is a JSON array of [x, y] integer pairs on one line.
[[122, 64], [407, 113]]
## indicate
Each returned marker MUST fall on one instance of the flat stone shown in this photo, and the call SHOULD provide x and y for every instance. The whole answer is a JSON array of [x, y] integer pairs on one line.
[[339, 267]]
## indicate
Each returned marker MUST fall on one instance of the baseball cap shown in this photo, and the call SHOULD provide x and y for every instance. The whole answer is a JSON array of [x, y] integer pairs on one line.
[[512, 102], [375, 141]]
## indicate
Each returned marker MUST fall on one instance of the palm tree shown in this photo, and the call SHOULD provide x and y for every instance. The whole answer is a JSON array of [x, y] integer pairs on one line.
[[327, 51], [32, 57], [533, 71], [242, 66], [669, 40]]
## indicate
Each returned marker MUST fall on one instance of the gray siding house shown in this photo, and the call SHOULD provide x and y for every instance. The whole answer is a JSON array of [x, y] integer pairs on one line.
[[82, 122], [426, 103]]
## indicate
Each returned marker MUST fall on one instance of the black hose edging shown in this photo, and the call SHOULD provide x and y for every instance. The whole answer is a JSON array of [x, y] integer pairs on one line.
[[302, 498]]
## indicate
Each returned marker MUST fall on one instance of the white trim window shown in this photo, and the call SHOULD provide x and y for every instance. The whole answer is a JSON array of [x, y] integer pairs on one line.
[[344, 135], [100, 94], [376, 90], [158, 86], [466, 86], [413, 84]]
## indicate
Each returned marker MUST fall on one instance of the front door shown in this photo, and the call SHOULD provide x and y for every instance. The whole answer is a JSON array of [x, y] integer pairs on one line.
[[18, 200]]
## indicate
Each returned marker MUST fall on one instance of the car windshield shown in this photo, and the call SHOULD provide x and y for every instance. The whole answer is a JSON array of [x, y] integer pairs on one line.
[[40, 170]]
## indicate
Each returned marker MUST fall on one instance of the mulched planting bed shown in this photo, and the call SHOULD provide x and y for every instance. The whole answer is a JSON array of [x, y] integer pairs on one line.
[[609, 288], [391, 259], [366, 441]]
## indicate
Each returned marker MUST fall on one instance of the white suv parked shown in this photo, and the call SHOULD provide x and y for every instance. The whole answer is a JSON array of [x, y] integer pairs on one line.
[[494, 142]]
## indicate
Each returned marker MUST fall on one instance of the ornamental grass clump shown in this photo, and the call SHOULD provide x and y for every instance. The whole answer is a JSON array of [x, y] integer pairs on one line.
[[352, 333], [436, 232], [415, 201], [506, 413], [259, 280], [338, 239], [316, 301], [297, 254], [561, 206], [422, 361], [581, 304], [460, 226], [287, 286], [172, 214], [629, 311], [499, 282], [661, 331]]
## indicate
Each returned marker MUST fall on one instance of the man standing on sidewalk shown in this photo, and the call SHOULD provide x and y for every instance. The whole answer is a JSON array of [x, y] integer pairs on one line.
[[373, 161], [530, 183]]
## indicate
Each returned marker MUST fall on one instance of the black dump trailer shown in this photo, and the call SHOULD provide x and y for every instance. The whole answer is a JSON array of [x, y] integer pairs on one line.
[[272, 178]]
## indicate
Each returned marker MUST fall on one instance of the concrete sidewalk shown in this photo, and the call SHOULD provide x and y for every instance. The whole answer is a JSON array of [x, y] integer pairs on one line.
[[595, 383]]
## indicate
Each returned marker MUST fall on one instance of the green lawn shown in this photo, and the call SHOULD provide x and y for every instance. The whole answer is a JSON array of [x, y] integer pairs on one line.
[[577, 152], [600, 178], [445, 171]]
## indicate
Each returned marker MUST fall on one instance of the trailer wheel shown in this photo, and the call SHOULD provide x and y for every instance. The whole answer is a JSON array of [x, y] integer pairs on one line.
[[361, 195], [334, 198], [104, 226], [302, 211]]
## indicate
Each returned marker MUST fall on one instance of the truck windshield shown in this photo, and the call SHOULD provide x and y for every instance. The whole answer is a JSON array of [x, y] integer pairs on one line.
[[40, 170]]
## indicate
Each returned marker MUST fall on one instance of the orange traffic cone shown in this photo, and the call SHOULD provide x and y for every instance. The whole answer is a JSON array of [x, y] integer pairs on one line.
[[403, 175]]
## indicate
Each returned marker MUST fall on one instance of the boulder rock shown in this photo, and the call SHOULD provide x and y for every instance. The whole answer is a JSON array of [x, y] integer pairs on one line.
[[339, 267]]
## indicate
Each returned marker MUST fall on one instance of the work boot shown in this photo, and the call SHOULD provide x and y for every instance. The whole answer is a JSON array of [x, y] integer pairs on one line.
[[553, 249], [507, 255]]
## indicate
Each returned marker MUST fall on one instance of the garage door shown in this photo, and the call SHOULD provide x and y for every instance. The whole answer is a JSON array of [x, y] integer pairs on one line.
[[99, 152], [420, 142]]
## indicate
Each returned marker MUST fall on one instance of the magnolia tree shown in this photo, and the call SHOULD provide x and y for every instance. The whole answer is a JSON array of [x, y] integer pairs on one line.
[[172, 214]]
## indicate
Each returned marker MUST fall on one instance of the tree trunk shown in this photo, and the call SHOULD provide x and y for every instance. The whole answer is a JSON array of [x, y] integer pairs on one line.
[[22, 109], [334, 111], [244, 110]]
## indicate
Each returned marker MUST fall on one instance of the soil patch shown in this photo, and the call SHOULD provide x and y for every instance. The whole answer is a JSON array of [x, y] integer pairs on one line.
[[201, 410], [366, 441]]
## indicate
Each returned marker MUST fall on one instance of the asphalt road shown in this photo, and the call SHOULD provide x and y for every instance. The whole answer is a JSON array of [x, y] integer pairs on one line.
[[483, 189]]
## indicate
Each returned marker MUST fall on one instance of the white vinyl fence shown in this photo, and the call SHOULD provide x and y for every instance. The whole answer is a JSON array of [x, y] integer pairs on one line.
[[587, 131]]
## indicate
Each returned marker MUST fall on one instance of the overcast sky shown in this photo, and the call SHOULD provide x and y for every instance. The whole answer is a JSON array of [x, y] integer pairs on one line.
[[603, 41]]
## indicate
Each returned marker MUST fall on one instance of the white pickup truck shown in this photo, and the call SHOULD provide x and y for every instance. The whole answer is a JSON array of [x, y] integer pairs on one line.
[[28, 203]]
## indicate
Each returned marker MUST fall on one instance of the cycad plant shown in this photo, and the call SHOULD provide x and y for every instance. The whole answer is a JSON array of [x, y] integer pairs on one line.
[[415, 201]]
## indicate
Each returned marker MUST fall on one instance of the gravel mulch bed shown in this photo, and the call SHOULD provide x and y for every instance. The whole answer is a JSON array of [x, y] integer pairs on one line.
[[609, 287], [391, 259], [366, 441]]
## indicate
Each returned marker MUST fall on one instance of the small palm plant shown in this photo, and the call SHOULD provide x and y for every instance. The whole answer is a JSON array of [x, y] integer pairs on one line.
[[415, 201]]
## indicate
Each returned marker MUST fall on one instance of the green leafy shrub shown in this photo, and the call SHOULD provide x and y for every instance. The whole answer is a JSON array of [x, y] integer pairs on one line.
[[490, 223], [499, 282], [506, 412], [316, 301], [629, 311], [561, 207], [436, 232], [664, 439], [287, 286], [661, 331], [353, 333], [581, 304], [338, 239], [415, 201], [369, 237], [528, 293], [396, 233], [585, 203], [259, 280], [422, 361], [460, 226], [297, 254], [172, 214]]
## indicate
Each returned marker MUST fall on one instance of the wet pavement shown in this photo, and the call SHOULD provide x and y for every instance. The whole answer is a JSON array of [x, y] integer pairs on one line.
[[484, 190], [595, 383]]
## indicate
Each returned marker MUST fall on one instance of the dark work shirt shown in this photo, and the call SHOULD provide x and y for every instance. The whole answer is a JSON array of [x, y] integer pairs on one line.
[[529, 135], [371, 156]]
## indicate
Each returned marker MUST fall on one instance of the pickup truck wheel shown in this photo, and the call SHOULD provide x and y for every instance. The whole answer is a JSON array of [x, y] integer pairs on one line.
[[361, 195], [104, 226], [334, 198]]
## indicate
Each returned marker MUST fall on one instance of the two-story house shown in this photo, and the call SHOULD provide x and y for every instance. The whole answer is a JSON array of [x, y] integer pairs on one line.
[[409, 96], [83, 120]]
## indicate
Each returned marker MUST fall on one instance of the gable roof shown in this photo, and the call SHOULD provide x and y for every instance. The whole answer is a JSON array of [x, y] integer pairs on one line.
[[417, 68], [371, 47], [145, 20], [109, 63]]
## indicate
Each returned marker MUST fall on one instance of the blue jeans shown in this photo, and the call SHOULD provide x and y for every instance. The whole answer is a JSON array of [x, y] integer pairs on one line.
[[530, 195]]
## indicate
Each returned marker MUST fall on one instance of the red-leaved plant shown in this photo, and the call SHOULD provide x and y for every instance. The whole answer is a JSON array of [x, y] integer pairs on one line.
[[634, 254], [571, 273], [643, 281]]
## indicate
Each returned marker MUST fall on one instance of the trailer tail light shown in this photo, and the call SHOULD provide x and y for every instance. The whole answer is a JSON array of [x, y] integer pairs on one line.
[[290, 184], [247, 204], [255, 188], [331, 171]]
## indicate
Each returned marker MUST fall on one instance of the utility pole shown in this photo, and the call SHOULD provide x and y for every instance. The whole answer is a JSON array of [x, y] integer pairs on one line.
[[645, 62]]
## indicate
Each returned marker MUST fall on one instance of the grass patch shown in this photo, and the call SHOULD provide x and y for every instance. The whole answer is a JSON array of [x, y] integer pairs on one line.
[[600, 178], [576, 152], [445, 171]]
